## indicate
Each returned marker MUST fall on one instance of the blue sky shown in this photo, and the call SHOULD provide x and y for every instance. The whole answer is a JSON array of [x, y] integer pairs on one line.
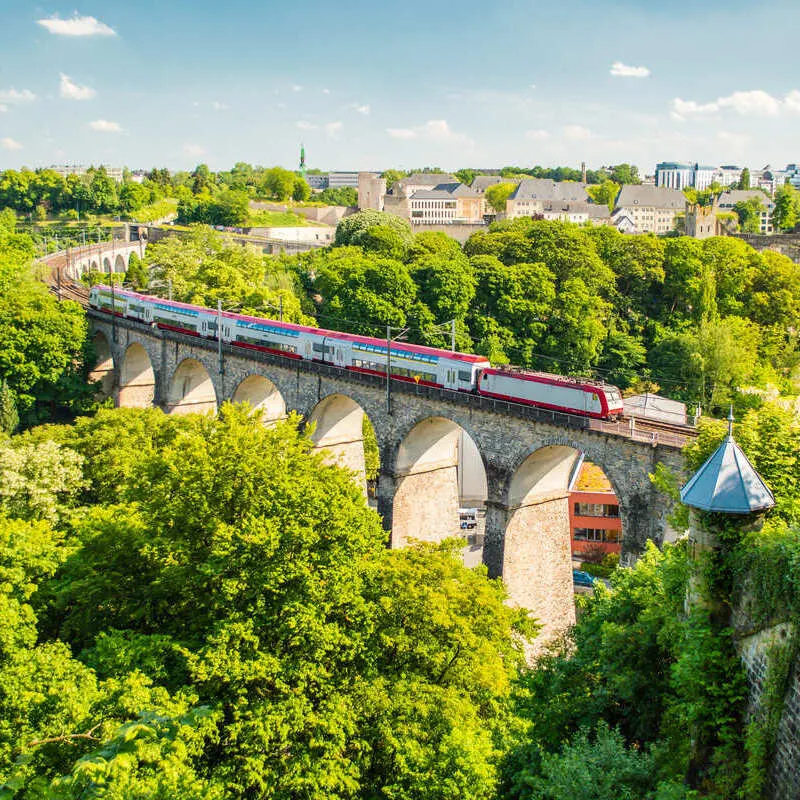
[[372, 85]]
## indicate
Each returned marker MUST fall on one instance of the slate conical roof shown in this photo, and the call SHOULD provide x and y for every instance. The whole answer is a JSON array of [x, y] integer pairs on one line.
[[728, 482]]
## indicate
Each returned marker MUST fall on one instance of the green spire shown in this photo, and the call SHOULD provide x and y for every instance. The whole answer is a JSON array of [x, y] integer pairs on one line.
[[302, 159]]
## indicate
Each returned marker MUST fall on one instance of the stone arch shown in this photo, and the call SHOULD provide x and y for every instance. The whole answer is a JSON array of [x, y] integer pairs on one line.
[[191, 390], [120, 264], [106, 264], [104, 368], [536, 533], [429, 470], [338, 422], [137, 381], [262, 395], [93, 266]]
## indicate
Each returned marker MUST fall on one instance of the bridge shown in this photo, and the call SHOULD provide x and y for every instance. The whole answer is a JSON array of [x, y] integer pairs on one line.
[[112, 256], [528, 454]]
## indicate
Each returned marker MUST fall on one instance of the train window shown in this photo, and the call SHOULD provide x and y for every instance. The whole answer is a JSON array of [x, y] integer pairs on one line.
[[465, 376], [320, 348]]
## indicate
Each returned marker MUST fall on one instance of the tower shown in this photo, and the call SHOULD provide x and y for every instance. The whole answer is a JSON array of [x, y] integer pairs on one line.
[[302, 160]]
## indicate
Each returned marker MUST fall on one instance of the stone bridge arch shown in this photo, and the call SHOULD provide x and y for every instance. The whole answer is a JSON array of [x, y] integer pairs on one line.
[[262, 395], [338, 428], [107, 264], [427, 466], [137, 380], [93, 266], [120, 263], [104, 370], [191, 389]]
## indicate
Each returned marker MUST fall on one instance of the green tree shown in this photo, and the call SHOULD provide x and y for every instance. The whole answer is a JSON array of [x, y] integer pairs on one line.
[[136, 273], [497, 195], [351, 229], [466, 176], [625, 173], [784, 215], [744, 180], [344, 196], [604, 193], [278, 183], [749, 212], [9, 418], [391, 176], [301, 190], [36, 480]]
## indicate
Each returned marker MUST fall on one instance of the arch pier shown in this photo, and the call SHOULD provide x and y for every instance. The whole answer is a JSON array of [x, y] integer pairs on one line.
[[527, 457]]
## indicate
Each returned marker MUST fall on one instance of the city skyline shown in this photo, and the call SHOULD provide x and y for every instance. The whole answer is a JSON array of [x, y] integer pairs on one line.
[[141, 85]]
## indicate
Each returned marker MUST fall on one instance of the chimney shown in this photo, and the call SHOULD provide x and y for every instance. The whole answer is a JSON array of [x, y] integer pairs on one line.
[[583, 171]]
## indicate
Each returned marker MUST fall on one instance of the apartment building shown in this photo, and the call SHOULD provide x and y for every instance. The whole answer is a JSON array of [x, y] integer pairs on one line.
[[729, 200], [647, 209], [446, 203], [532, 195], [595, 523]]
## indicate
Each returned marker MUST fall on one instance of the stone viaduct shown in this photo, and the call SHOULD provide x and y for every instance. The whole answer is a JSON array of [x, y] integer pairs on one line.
[[113, 256], [528, 454]]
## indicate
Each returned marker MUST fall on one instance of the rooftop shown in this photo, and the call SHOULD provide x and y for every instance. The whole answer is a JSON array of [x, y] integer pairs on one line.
[[655, 196], [731, 198], [728, 483], [545, 189]]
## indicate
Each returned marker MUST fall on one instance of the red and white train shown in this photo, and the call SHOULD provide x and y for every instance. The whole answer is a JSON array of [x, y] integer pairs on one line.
[[429, 366]]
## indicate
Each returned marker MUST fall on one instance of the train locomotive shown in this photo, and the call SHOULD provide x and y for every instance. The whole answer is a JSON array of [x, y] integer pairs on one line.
[[428, 366]]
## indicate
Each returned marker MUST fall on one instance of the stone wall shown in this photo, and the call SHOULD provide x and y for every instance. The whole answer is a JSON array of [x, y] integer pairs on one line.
[[784, 772], [787, 244]]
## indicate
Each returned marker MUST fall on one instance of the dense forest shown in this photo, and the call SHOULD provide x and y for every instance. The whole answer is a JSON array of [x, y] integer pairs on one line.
[[199, 607]]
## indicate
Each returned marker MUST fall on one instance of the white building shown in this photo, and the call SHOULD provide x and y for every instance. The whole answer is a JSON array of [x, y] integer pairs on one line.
[[727, 175], [648, 209], [115, 173], [533, 194], [341, 180], [674, 175], [729, 200]]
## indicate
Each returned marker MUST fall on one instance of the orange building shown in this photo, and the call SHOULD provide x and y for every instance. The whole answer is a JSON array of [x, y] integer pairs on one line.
[[594, 513]]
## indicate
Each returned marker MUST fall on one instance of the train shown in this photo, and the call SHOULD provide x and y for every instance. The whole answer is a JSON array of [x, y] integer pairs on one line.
[[429, 366]]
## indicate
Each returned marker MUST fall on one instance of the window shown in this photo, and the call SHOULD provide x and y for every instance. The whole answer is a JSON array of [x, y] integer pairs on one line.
[[465, 376], [595, 535], [596, 510], [319, 348]]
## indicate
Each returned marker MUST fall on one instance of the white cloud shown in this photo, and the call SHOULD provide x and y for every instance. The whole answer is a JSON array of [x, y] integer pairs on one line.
[[434, 130], [756, 102], [533, 86], [104, 126], [537, 134], [76, 26], [306, 126], [333, 129], [734, 142], [620, 70], [194, 150], [7, 143], [13, 96], [577, 133], [401, 133], [72, 91], [326, 91], [3, 108], [360, 109], [217, 106], [297, 88]]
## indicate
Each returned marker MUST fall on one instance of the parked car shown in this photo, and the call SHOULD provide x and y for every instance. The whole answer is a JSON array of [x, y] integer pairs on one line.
[[581, 578]]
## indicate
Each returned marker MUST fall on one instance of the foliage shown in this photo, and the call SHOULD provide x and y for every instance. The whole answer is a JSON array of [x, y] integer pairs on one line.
[[497, 195], [44, 348], [352, 229], [240, 593], [37, 479], [604, 193], [9, 418], [226, 208], [205, 267], [749, 212], [343, 196]]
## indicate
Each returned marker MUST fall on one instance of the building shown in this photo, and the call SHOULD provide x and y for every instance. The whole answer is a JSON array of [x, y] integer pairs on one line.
[[341, 180], [317, 182], [578, 212], [371, 191], [655, 407], [115, 173], [482, 182], [792, 174], [532, 194], [728, 201], [674, 175], [728, 175], [703, 222], [647, 209], [419, 181], [446, 203], [594, 517]]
